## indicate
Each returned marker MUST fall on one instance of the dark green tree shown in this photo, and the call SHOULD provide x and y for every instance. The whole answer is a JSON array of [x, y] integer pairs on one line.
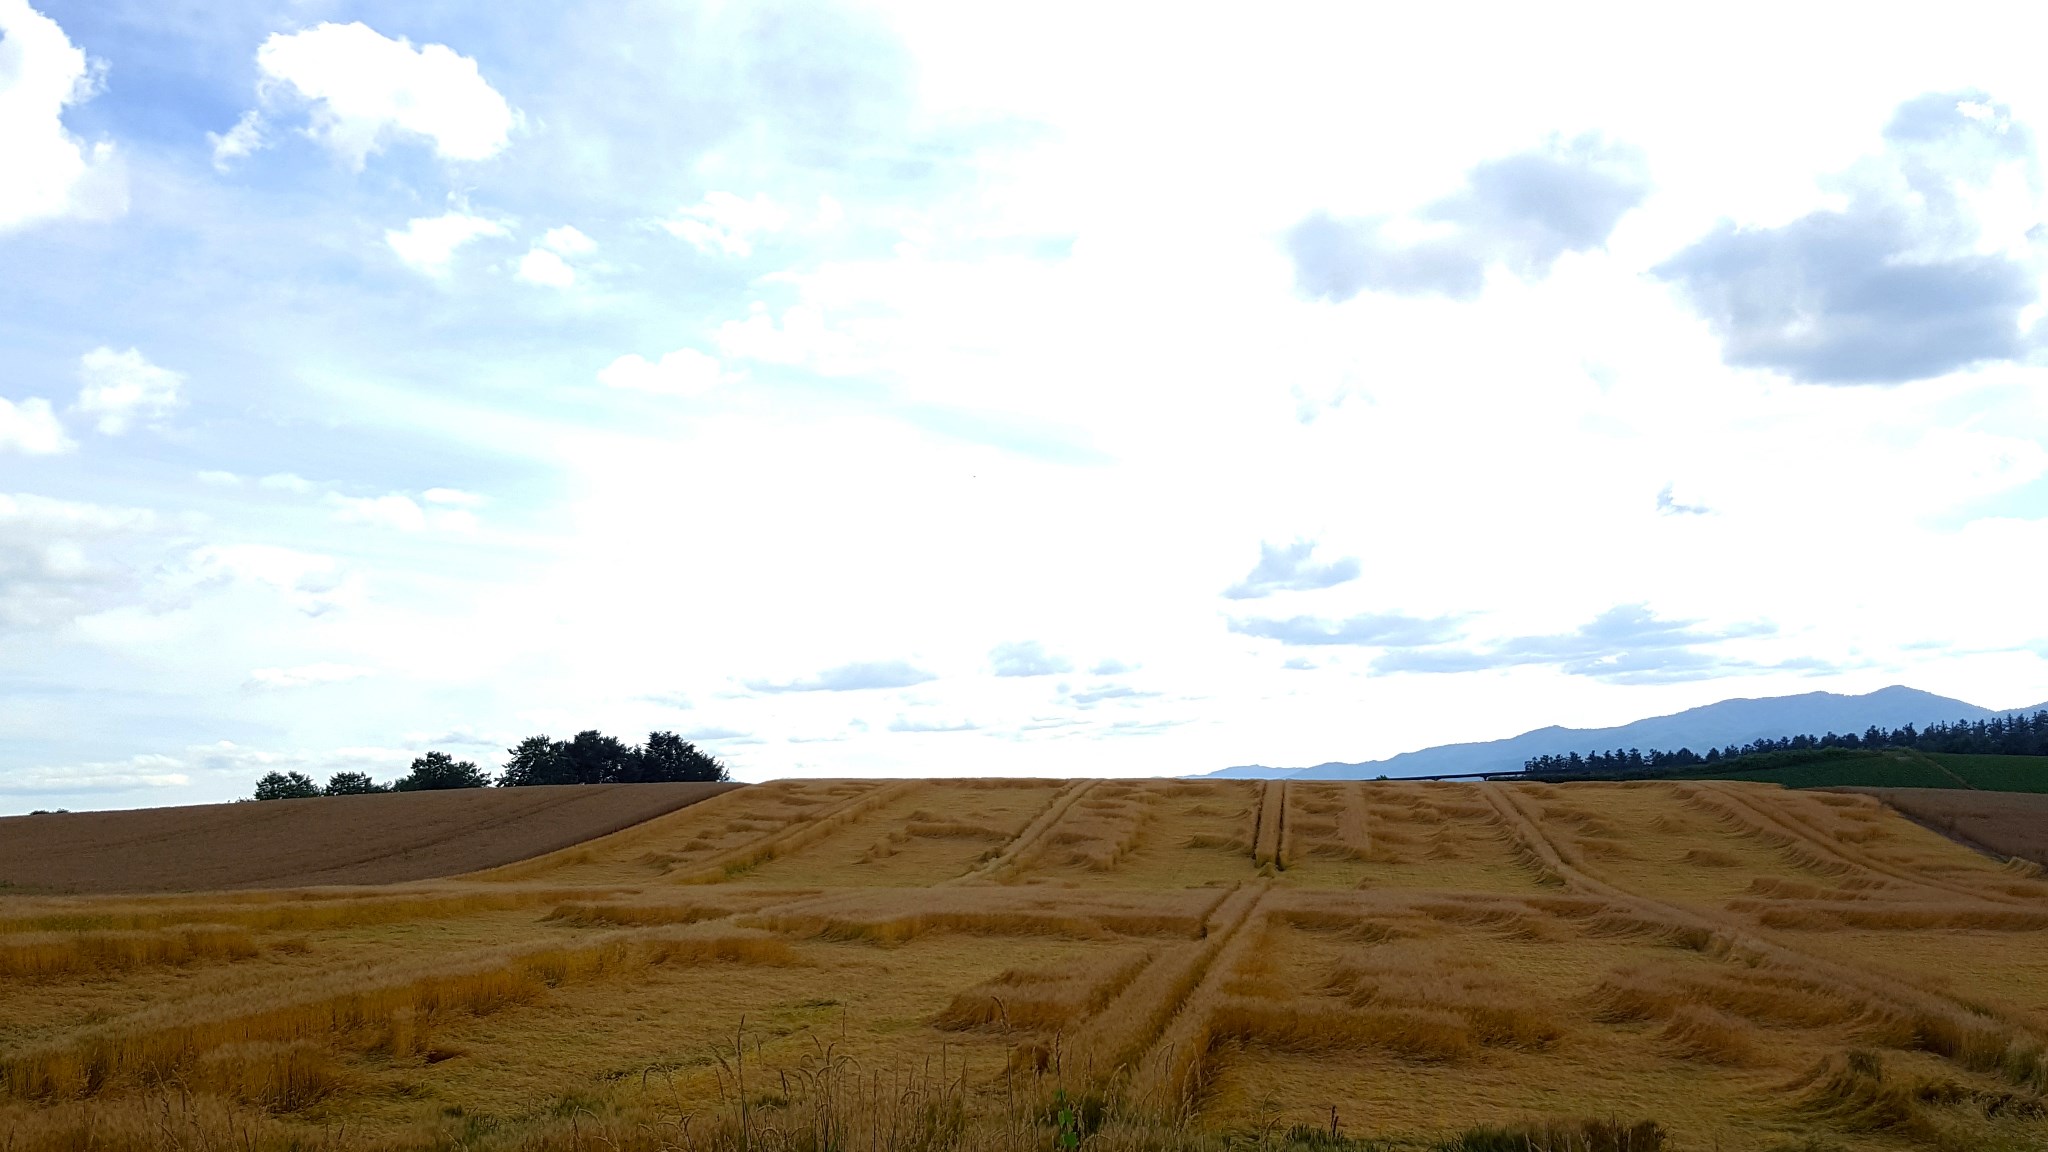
[[437, 770], [350, 784], [536, 760], [595, 758], [286, 786], [667, 756]]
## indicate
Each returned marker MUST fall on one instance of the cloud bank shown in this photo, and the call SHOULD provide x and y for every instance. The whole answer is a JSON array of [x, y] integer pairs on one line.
[[1907, 281]]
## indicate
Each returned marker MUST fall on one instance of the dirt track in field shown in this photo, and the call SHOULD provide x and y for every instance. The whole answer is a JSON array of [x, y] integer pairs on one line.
[[2008, 823], [380, 839]]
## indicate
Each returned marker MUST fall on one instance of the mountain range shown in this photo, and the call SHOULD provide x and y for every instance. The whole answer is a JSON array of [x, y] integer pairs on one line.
[[1708, 726]]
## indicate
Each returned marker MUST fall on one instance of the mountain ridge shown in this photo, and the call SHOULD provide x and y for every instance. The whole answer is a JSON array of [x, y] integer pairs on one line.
[[1734, 721]]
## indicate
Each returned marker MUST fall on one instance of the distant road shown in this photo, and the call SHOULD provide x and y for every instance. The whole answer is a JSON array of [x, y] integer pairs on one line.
[[379, 839]]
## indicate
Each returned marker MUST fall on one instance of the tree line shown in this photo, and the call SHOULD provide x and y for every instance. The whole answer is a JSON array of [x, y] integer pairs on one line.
[[590, 757], [2017, 734]]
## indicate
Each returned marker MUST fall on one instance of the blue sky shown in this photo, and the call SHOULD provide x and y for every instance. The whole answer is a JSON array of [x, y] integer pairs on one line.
[[913, 389]]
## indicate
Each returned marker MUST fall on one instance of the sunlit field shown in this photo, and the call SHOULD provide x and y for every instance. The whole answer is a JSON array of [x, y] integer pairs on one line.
[[1005, 964]]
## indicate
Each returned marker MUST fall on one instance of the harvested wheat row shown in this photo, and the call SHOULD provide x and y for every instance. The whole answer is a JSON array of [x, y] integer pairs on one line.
[[158, 1043], [1027, 842], [813, 827], [1272, 815], [45, 955], [1114, 1040]]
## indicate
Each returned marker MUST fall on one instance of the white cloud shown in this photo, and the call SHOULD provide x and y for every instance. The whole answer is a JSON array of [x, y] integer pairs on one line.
[[309, 582], [568, 240], [683, 372], [725, 224], [393, 511], [366, 88], [545, 262], [285, 482], [428, 243], [121, 387], [131, 775], [60, 558], [540, 266], [241, 140], [454, 497], [306, 675], [31, 428], [802, 339], [45, 171], [402, 512]]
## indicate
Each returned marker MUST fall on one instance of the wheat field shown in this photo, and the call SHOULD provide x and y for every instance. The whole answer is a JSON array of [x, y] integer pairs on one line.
[[1013, 964]]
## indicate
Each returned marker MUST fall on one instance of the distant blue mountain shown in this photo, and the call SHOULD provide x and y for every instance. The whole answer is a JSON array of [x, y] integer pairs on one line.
[[1708, 726]]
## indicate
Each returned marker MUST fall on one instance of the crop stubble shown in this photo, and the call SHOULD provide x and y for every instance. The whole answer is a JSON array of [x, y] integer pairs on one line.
[[1746, 965]]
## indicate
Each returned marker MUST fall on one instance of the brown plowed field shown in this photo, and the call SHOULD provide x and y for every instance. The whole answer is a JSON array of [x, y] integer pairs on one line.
[[380, 839], [2008, 823]]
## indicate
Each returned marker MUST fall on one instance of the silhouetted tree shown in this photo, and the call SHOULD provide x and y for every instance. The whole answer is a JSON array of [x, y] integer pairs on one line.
[[536, 760], [350, 784], [286, 786], [437, 770], [667, 756], [595, 758]]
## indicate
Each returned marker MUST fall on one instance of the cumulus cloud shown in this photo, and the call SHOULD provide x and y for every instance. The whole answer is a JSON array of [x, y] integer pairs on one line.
[[428, 243], [362, 90], [311, 583], [1627, 644], [683, 372], [31, 428], [547, 262], [52, 566], [1026, 658], [1923, 271], [1289, 569], [1388, 629], [1110, 667], [118, 388], [45, 171], [306, 675], [1520, 212], [724, 224], [851, 678]]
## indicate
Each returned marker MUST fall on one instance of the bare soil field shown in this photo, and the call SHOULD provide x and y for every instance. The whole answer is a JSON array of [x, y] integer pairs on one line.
[[376, 839], [1088, 964], [2007, 823]]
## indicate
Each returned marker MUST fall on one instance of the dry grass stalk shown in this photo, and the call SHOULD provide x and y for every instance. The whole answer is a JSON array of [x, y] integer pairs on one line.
[[157, 1043], [47, 955]]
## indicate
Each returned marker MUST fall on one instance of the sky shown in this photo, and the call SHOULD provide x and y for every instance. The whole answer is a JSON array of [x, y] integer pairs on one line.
[[944, 389]]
